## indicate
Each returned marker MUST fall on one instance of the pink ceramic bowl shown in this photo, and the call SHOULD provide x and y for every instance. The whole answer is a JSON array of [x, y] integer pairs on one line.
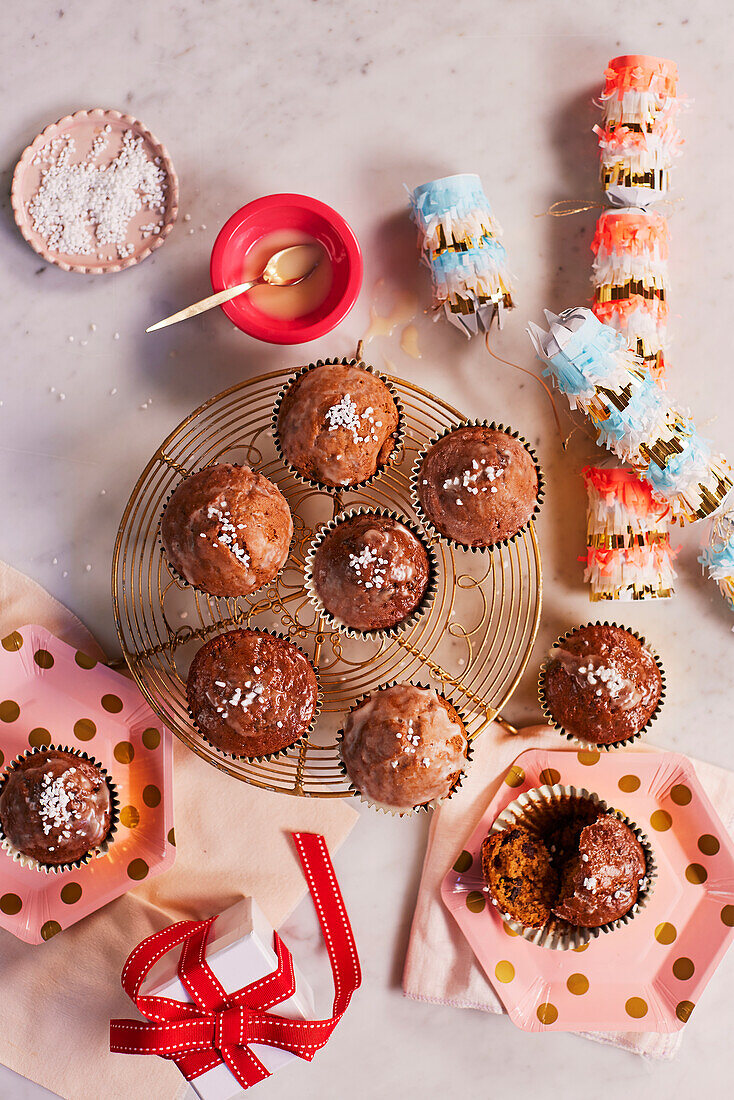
[[271, 214]]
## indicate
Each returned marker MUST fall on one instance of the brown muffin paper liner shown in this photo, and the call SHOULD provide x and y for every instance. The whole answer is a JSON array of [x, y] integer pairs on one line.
[[625, 742], [537, 810], [58, 868], [428, 525], [392, 458], [302, 739], [382, 807], [187, 584], [386, 632]]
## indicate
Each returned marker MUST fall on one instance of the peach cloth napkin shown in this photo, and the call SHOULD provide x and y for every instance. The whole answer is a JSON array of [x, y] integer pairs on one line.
[[56, 998], [440, 966]]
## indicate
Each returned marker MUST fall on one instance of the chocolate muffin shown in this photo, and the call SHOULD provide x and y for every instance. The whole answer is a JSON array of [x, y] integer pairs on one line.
[[227, 530], [404, 746], [601, 882], [337, 424], [251, 693], [601, 684], [478, 485], [521, 877], [55, 806], [370, 572]]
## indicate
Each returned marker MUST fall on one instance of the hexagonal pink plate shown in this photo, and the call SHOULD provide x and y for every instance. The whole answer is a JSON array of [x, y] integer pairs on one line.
[[649, 974], [50, 693]]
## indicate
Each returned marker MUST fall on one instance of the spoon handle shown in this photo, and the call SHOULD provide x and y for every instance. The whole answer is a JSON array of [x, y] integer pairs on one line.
[[205, 304]]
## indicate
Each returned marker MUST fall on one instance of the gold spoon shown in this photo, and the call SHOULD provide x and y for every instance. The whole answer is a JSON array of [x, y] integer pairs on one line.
[[289, 273]]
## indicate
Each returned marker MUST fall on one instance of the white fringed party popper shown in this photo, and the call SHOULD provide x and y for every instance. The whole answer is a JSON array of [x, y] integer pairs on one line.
[[459, 242]]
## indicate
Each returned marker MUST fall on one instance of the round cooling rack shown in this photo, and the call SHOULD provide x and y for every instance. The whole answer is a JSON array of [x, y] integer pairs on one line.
[[472, 644]]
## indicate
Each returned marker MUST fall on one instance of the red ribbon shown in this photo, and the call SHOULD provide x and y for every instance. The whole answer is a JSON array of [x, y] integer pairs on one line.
[[219, 1026]]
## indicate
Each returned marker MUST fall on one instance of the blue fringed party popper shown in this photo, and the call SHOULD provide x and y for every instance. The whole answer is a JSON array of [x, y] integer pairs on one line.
[[633, 417], [459, 241]]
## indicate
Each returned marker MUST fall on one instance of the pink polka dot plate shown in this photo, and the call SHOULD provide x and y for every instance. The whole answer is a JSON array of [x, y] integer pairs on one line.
[[647, 975], [52, 694]]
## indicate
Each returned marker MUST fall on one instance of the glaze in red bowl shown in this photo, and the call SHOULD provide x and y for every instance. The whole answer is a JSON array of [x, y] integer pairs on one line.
[[270, 214]]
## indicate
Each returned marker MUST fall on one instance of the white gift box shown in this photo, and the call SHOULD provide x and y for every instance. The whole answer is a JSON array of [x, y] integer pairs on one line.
[[239, 951]]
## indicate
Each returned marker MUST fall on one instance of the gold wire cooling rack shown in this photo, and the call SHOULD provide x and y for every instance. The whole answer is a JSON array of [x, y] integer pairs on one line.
[[472, 644]]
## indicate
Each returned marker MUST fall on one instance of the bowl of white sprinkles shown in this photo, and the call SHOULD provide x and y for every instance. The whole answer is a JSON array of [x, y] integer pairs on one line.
[[95, 192]]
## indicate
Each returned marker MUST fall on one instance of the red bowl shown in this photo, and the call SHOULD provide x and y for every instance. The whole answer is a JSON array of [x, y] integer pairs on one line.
[[271, 214]]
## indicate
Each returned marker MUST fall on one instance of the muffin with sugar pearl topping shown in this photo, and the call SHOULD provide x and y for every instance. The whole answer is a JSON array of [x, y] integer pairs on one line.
[[55, 806], [251, 693], [227, 530], [337, 424], [404, 747], [601, 684], [477, 485], [369, 571]]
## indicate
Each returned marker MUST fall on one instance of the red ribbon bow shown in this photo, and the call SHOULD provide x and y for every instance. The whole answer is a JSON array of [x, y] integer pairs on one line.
[[219, 1026]]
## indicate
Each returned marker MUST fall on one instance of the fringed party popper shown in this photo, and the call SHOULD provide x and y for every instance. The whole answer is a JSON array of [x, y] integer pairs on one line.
[[629, 556], [630, 279], [633, 417], [718, 557], [459, 240], [638, 136]]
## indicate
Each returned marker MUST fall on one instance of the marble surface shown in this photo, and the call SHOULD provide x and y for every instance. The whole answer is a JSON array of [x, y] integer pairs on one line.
[[348, 102]]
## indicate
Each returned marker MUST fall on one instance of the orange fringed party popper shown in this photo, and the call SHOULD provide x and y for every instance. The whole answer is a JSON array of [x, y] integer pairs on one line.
[[629, 555]]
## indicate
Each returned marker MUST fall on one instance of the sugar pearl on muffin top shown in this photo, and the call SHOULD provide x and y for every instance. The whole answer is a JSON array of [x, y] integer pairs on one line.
[[337, 424], [477, 485], [601, 683], [251, 693], [227, 530], [370, 571]]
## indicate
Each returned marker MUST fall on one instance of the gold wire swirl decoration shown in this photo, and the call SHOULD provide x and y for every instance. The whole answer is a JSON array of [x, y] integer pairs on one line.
[[472, 644]]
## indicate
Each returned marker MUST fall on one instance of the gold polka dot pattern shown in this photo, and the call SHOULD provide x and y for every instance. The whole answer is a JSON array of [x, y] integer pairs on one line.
[[10, 904], [129, 817], [85, 729], [629, 783], [137, 869], [696, 874], [666, 933], [515, 776], [124, 752], [708, 844], [12, 642], [636, 1008], [151, 795], [683, 969], [660, 820], [547, 1013], [112, 703], [151, 738], [9, 711], [49, 929], [578, 984], [504, 971], [39, 737], [463, 862], [43, 658], [681, 794], [475, 901], [71, 893]]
